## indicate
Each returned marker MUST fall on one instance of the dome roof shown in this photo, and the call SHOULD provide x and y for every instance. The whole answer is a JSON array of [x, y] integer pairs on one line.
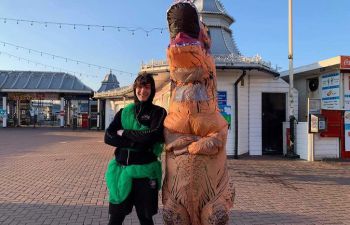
[[109, 82], [214, 15]]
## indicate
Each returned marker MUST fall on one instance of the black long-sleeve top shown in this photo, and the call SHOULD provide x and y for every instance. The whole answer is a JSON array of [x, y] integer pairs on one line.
[[147, 114]]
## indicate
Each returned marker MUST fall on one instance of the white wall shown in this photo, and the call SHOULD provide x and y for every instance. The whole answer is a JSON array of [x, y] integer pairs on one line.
[[326, 147], [243, 117], [258, 84], [302, 140], [225, 82], [112, 107], [249, 107]]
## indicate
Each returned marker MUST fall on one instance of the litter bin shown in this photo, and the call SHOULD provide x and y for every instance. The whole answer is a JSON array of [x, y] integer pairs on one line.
[[75, 122]]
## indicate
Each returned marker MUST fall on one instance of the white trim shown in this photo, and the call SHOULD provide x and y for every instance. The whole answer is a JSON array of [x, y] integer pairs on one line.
[[52, 75], [64, 76], [73, 82], [26, 84], [314, 66], [42, 75], [14, 83], [7, 76]]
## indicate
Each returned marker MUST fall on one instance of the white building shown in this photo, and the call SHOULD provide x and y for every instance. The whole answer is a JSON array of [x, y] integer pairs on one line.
[[324, 90], [253, 96]]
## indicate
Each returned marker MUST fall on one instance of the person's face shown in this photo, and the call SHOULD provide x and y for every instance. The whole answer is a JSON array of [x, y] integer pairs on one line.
[[143, 92]]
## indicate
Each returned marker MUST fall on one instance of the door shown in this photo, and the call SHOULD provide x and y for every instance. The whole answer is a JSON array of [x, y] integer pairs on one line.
[[273, 115], [335, 128]]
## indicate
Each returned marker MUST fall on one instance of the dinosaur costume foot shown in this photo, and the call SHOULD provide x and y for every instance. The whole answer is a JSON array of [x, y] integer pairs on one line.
[[215, 214], [175, 214]]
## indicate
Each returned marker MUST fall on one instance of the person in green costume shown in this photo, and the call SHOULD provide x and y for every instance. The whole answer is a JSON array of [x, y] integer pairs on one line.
[[134, 176]]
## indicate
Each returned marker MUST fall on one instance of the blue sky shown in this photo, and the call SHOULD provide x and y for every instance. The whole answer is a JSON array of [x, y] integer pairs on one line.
[[321, 31]]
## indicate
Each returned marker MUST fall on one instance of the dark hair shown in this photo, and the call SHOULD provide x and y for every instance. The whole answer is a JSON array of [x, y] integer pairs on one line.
[[142, 80]]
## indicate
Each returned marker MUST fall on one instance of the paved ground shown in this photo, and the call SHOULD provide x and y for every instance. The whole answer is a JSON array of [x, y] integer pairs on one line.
[[56, 176]]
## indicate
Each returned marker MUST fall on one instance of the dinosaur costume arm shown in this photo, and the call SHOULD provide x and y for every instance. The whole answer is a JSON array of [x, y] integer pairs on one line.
[[192, 144]]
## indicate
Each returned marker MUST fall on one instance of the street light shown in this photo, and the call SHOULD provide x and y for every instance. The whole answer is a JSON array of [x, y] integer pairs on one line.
[[291, 148]]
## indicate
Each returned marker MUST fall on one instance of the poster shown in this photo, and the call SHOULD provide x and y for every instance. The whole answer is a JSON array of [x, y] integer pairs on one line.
[[346, 91], [347, 130], [330, 91], [226, 112]]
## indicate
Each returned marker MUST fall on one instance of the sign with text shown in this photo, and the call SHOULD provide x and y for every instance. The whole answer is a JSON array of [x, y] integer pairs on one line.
[[345, 62], [222, 98], [33, 96], [330, 91], [346, 91], [314, 106], [347, 130]]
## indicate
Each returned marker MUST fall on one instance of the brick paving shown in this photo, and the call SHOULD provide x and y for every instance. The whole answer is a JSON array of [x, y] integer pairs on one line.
[[56, 176]]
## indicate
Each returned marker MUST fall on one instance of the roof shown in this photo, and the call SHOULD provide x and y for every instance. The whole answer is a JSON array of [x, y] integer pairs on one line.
[[214, 15], [212, 6], [35, 81], [313, 66], [109, 82], [121, 92], [222, 42]]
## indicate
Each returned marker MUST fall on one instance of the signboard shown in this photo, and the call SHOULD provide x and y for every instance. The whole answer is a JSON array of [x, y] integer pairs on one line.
[[2, 113], [314, 106], [222, 98], [347, 130], [313, 124], [345, 62], [347, 91], [330, 91], [317, 123], [33, 96]]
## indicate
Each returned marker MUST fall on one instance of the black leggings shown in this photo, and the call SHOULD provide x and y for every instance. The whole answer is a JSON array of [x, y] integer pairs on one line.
[[144, 196], [117, 219]]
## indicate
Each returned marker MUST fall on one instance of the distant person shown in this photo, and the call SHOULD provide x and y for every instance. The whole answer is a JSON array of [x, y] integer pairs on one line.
[[134, 177]]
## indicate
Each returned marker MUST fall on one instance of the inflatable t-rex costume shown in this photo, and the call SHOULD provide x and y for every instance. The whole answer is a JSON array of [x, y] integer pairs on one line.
[[196, 189]]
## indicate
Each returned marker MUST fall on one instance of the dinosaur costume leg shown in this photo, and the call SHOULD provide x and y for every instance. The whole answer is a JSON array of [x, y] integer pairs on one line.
[[174, 213], [196, 184]]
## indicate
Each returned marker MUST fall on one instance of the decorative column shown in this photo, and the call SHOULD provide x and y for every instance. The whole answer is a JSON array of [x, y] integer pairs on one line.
[[4, 107], [18, 112], [62, 112], [98, 114], [69, 102]]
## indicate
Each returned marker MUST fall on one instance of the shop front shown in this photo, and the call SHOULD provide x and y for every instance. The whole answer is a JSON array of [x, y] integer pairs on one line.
[[324, 108], [41, 99]]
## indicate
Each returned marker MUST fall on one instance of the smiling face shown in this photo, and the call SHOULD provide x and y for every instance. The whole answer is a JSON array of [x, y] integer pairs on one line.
[[143, 92]]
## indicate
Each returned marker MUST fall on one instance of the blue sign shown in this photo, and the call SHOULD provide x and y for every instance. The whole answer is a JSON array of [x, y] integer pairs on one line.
[[222, 95], [2, 112], [222, 98]]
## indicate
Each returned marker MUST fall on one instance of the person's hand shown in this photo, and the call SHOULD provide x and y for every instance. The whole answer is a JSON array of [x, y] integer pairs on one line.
[[120, 132]]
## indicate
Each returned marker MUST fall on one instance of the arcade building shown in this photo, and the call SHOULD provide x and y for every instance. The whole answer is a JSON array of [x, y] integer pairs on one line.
[[46, 99]]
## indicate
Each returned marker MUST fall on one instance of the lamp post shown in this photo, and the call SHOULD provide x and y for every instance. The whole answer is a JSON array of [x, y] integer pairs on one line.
[[291, 148]]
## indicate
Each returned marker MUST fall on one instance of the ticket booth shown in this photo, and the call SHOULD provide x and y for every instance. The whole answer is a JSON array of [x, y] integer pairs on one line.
[[324, 106]]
